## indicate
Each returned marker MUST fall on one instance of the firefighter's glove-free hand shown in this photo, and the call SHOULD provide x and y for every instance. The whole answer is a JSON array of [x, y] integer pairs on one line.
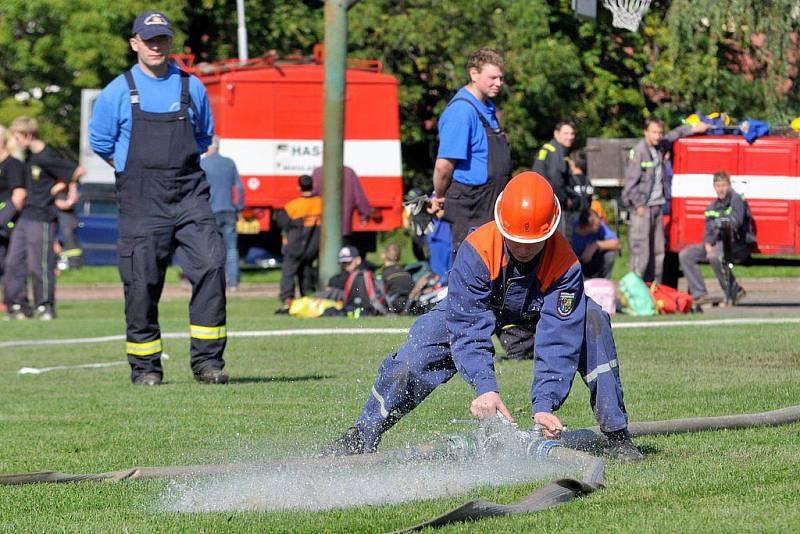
[[488, 404], [551, 423], [421, 220]]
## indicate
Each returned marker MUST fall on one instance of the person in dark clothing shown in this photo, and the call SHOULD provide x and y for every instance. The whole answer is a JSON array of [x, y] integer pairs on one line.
[[595, 245], [397, 282], [553, 162], [71, 253], [13, 190], [473, 163], [581, 189], [350, 260], [301, 235], [68, 172], [151, 124], [31, 253], [223, 178], [355, 285], [728, 218]]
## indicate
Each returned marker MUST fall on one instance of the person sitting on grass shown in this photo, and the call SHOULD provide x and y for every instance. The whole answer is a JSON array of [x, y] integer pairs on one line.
[[355, 286], [595, 245], [397, 282]]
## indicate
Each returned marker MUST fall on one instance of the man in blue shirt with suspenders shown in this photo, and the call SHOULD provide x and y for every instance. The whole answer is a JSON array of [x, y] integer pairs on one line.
[[473, 164], [151, 124]]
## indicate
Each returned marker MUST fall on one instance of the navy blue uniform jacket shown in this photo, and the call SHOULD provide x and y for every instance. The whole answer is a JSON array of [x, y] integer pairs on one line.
[[488, 291]]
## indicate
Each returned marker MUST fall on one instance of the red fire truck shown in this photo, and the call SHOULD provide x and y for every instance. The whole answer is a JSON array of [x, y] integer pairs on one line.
[[766, 172], [268, 115]]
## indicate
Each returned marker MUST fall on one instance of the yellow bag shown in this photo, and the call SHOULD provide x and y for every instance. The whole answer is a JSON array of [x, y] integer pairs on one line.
[[312, 306]]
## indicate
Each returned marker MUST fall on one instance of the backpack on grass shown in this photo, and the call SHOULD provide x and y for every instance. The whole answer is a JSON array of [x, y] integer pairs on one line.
[[670, 300], [635, 297]]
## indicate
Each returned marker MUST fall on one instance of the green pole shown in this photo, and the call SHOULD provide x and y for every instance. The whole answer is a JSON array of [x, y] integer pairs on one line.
[[333, 137]]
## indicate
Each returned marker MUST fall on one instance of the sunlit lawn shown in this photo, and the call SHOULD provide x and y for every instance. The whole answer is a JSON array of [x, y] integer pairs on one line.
[[291, 395]]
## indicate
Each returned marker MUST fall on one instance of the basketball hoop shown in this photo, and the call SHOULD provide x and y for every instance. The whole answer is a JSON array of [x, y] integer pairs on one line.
[[627, 13]]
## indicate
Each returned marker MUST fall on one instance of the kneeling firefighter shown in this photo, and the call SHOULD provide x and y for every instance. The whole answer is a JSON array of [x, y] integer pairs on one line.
[[514, 270]]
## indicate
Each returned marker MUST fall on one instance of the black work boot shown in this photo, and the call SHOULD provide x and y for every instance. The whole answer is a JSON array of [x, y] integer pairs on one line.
[[212, 376], [148, 379], [620, 447], [352, 442]]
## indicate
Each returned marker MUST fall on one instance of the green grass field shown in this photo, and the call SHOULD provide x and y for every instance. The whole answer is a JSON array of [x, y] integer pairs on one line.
[[291, 395]]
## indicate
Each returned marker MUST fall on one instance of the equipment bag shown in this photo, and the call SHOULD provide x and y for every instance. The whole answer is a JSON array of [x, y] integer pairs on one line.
[[312, 306], [362, 291], [670, 300], [602, 291], [634, 295]]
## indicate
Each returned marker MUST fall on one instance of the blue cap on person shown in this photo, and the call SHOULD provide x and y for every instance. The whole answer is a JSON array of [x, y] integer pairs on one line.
[[152, 24], [348, 254]]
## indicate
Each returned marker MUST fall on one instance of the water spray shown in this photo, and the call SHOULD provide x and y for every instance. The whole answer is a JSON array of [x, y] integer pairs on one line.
[[493, 453]]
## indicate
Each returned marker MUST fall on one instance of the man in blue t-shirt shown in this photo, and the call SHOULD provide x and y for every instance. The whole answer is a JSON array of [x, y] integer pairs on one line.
[[151, 124], [473, 164], [595, 244]]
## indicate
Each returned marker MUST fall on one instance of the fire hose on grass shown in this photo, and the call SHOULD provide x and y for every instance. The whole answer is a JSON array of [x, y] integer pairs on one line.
[[496, 438]]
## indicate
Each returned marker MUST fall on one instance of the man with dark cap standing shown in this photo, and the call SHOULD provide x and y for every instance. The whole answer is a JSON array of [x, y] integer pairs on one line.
[[151, 124]]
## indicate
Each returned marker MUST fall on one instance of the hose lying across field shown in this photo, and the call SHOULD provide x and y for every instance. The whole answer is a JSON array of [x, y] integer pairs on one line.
[[570, 453], [592, 440]]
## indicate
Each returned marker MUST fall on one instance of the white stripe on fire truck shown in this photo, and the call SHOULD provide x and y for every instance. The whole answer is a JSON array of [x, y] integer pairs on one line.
[[292, 157], [750, 185]]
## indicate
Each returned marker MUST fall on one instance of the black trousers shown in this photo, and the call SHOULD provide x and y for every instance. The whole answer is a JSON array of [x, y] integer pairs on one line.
[[300, 268], [142, 265], [470, 206], [601, 264]]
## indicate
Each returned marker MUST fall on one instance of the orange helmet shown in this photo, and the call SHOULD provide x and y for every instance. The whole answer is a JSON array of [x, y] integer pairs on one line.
[[527, 211]]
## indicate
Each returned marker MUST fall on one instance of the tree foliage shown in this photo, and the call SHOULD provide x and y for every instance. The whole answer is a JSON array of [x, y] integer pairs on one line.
[[51, 49], [738, 56]]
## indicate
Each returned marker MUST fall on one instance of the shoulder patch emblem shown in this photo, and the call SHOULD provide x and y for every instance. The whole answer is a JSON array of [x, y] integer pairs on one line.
[[566, 303]]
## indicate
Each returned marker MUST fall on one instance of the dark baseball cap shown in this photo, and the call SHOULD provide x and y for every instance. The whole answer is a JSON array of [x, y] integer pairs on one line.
[[348, 254], [152, 24]]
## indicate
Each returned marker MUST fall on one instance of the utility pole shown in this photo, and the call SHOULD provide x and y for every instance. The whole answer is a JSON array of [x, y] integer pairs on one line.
[[241, 31], [335, 58]]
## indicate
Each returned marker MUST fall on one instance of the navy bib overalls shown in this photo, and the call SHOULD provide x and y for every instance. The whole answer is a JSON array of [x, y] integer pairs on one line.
[[469, 206], [163, 207]]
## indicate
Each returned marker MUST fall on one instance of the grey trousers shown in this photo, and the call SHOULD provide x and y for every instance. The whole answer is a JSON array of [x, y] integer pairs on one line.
[[690, 258], [31, 254], [646, 243]]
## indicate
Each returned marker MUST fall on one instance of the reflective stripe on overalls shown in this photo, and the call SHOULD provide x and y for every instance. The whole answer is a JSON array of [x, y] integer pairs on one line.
[[163, 207], [469, 206]]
